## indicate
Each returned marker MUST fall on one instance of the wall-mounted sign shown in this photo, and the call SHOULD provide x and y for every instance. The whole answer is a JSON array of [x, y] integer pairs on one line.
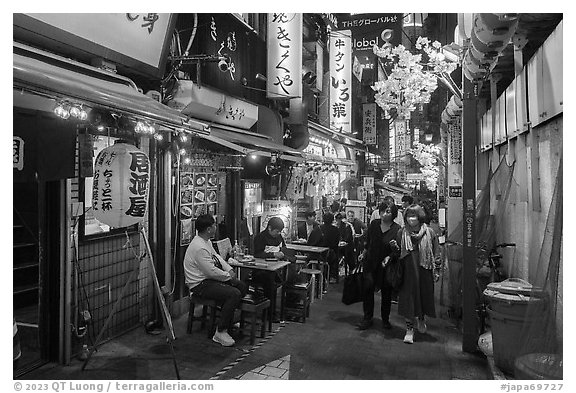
[[455, 191], [368, 182], [209, 104], [369, 123], [455, 142], [284, 56], [401, 137], [276, 208], [341, 81], [368, 30], [17, 153], [98, 34]]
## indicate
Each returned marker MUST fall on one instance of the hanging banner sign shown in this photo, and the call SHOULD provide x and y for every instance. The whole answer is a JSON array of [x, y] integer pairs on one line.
[[369, 182], [455, 142], [369, 123], [120, 185], [284, 56], [400, 128], [341, 81]]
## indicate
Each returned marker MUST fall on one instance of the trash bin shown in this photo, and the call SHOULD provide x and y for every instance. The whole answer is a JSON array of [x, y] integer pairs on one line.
[[509, 301], [538, 366]]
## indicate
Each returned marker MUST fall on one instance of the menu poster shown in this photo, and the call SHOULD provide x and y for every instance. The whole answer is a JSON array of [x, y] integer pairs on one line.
[[198, 195], [275, 208]]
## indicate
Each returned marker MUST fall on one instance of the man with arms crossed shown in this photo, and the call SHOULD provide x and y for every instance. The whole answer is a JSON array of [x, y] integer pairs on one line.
[[210, 277]]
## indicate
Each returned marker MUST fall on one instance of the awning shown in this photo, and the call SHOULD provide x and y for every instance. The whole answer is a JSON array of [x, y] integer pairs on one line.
[[53, 76], [247, 142]]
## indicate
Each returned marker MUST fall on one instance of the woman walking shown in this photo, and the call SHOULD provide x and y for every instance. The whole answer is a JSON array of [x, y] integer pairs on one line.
[[381, 243], [419, 252]]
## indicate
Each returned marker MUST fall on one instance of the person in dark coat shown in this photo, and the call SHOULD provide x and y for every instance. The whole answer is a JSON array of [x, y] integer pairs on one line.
[[419, 252], [331, 238], [381, 243], [310, 230], [346, 236]]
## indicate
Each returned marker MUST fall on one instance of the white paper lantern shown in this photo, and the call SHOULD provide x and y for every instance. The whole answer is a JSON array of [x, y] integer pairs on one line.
[[120, 186]]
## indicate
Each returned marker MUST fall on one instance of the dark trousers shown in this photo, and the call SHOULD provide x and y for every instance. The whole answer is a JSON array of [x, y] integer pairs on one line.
[[228, 293], [368, 303]]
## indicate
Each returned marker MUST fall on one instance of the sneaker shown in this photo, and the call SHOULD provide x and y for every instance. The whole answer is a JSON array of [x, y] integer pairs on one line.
[[409, 337], [386, 325], [365, 324], [421, 325], [223, 338]]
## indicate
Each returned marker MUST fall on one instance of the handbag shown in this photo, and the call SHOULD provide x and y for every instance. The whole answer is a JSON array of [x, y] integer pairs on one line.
[[353, 291], [394, 272]]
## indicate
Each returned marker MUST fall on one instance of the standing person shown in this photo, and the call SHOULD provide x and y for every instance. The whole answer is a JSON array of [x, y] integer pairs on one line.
[[207, 275], [358, 225], [376, 213], [419, 252], [346, 236], [380, 243], [331, 237], [407, 200], [310, 230], [343, 203], [399, 218]]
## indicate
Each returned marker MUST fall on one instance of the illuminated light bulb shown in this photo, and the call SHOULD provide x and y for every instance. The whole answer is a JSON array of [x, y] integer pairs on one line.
[[182, 152], [75, 111], [62, 111], [253, 156], [183, 137], [158, 137], [83, 115], [187, 160], [140, 127], [100, 128], [151, 129]]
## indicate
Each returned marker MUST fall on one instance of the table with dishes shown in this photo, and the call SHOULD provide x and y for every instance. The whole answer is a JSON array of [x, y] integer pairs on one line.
[[271, 266]]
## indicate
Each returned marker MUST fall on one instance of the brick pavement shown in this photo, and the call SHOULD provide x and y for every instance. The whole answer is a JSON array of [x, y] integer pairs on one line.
[[326, 347]]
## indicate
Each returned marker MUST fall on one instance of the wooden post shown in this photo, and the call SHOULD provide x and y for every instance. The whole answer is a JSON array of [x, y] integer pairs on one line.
[[469, 138]]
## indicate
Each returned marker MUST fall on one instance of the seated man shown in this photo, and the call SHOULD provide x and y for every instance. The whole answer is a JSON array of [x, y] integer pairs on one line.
[[310, 230], [269, 242], [207, 275]]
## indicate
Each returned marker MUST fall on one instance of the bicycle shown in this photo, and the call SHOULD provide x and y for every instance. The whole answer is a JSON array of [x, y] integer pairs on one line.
[[488, 270]]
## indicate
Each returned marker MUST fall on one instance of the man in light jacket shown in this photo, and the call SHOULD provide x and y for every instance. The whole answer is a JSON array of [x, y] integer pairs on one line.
[[210, 277]]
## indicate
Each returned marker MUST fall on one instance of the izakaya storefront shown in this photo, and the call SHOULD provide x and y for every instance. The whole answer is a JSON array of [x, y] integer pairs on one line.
[[69, 264]]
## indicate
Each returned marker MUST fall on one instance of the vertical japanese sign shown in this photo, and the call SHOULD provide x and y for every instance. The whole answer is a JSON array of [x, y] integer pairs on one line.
[[341, 81], [368, 183], [284, 55], [400, 128], [455, 142], [369, 123], [120, 185]]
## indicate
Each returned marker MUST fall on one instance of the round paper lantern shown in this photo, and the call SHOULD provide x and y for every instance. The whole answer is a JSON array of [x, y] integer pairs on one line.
[[120, 187]]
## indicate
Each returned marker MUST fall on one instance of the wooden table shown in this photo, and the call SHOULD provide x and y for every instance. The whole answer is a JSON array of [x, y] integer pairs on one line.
[[271, 267]]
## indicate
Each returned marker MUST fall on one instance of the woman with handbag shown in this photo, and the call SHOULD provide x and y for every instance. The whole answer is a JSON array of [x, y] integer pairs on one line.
[[380, 246], [419, 254]]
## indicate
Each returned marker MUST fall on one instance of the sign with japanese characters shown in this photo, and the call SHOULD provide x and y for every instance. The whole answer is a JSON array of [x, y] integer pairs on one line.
[[369, 123], [17, 153], [400, 128], [455, 142], [98, 33], [209, 104], [368, 182], [341, 81], [284, 79], [120, 185]]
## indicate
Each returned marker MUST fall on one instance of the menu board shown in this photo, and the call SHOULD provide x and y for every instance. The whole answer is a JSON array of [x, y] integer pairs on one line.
[[198, 195]]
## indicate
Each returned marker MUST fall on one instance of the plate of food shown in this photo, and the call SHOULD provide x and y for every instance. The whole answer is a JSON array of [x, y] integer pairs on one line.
[[212, 196], [271, 259], [247, 258], [212, 180], [199, 196], [185, 212], [200, 179]]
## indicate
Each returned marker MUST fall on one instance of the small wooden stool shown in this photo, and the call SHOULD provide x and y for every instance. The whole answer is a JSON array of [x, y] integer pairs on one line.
[[314, 273], [255, 309], [207, 304], [298, 299]]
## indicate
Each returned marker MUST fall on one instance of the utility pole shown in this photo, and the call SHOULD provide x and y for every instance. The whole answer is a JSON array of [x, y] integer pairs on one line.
[[469, 138]]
